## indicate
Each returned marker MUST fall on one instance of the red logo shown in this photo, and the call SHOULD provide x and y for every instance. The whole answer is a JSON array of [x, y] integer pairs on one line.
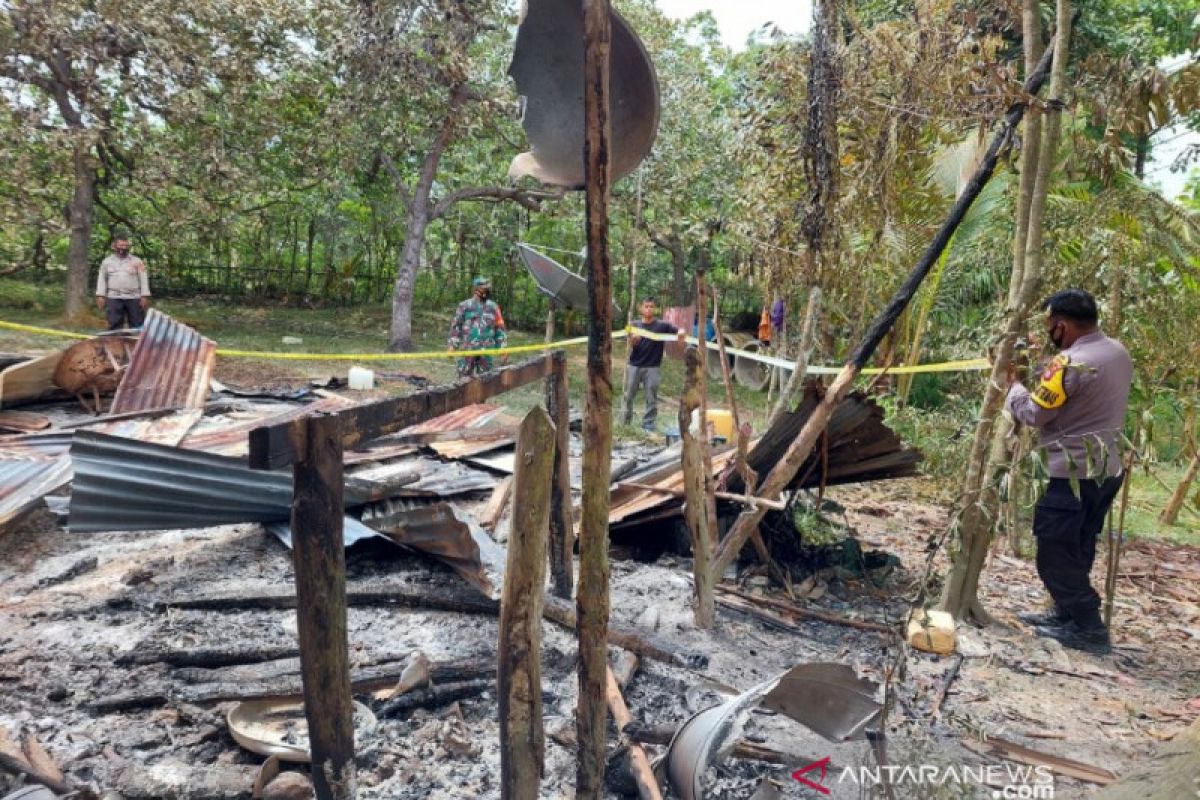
[[823, 765]]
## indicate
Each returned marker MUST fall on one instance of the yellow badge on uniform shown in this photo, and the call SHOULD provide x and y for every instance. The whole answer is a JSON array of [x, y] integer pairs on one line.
[[1049, 393]]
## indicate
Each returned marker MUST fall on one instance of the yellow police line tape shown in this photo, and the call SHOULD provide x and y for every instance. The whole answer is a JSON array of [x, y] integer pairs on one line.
[[946, 366]]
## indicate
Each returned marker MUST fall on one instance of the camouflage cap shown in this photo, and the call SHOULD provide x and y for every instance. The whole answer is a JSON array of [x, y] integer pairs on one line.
[[481, 281]]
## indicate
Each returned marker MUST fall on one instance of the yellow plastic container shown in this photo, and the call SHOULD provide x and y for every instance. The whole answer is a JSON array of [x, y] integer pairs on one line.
[[721, 421]]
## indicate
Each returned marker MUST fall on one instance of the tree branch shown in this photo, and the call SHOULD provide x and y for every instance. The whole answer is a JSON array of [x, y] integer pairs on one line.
[[526, 198], [397, 180]]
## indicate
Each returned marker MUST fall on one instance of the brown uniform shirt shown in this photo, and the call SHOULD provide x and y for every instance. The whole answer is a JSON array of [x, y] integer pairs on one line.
[[123, 278], [1082, 435]]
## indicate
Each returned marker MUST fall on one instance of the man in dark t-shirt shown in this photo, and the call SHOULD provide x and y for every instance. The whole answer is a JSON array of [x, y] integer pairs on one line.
[[645, 359]]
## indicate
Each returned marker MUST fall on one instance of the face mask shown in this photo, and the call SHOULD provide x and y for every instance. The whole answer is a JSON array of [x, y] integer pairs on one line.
[[1056, 335], [122, 251], [484, 294]]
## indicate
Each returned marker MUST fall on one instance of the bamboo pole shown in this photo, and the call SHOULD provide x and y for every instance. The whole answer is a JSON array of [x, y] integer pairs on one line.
[[319, 555], [783, 472], [592, 593], [522, 739]]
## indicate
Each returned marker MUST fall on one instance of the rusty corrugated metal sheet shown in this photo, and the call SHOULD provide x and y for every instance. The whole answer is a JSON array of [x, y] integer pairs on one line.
[[24, 481], [474, 416], [171, 368], [231, 439]]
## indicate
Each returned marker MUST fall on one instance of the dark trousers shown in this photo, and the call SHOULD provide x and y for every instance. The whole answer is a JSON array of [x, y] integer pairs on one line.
[[1067, 528], [116, 311]]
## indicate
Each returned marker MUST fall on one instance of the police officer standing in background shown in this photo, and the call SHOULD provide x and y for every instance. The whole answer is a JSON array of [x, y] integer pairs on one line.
[[1079, 410], [123, 287]]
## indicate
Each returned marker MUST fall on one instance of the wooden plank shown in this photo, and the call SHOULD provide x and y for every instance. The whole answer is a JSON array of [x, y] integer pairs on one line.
[[320, 564], [23, 421], [29, 380], [562, 528], [496, 504], [522, 738], [272, 447]]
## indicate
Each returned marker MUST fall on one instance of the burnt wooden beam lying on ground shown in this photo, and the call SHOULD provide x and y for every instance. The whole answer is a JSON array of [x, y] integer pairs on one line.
[[434, 696], [752, 606], [364, 681], [274, 446], [556, 610]]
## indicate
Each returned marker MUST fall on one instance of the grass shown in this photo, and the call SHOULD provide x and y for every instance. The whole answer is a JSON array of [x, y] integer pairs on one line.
[[1149, 494]]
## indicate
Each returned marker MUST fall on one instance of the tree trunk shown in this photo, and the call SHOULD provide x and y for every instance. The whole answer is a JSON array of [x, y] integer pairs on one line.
[[400, 338], [416, 222], [960, 594], [592, 593], [1171, 513], [80, 213]]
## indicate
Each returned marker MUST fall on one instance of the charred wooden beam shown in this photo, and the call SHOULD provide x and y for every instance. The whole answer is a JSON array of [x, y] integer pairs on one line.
[[273, 447]]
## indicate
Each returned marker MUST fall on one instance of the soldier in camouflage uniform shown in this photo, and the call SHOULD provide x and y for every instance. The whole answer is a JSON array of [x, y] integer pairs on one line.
[[478, 325]]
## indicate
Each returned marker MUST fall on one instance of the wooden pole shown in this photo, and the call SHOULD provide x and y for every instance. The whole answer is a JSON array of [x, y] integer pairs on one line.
[[783, 404], [592, 595], [725, 376], [639, 764], [522, 740], [1116, 541], [562, 528], [319, 555], [787, 467], [696, 487]]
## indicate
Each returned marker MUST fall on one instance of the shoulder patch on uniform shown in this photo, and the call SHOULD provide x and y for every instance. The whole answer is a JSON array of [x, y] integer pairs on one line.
[[1050, 393]]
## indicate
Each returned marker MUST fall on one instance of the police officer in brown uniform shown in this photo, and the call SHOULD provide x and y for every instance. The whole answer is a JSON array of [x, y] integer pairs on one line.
[[123, 288], [1078, 407]]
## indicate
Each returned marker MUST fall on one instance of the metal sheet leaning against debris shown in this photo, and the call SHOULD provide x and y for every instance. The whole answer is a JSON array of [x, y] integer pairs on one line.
[[829, 699], [24, 481], [442, 530], [171, 367]]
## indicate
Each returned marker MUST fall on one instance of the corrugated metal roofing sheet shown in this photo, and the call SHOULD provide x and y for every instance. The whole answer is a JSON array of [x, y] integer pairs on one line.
[[473, 416], [23, 482], [171, 367], [232, 439], [128, 485]]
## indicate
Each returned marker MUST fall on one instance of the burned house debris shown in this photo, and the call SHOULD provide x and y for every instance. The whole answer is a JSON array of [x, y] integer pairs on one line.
[[159, 625]]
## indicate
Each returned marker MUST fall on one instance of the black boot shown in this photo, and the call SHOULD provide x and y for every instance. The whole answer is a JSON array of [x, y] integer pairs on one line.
[[1053, 618], [1090, 635]]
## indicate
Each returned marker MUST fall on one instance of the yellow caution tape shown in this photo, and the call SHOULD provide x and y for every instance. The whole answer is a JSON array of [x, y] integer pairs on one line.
[[947, 366], [14, 326]]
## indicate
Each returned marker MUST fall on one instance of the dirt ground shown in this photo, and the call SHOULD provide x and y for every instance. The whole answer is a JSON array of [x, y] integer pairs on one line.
[[75, 608]]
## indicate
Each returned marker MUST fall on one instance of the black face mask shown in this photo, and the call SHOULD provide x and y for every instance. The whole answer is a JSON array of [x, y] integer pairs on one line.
[[484, 294], [1057, 335], [122, 251]]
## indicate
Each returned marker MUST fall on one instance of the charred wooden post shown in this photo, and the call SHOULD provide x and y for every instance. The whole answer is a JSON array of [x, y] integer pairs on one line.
[[320, 563], [696, 485], [592, 595], [798, 451], [562, 528], [522, 740], [639, 764]]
